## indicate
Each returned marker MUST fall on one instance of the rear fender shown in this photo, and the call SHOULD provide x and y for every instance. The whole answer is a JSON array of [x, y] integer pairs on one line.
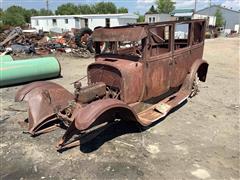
[[44, 99], [199, 67]]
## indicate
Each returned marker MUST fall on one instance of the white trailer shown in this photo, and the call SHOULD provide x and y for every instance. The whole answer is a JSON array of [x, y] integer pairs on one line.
[[67, 22]]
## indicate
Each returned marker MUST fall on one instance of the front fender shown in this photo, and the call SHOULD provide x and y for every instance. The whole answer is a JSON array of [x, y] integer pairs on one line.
[[88, 116], [21, 93], [92, 115], [44, 100]]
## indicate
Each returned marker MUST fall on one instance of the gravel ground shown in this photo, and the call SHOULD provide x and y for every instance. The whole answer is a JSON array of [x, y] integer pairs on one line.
[[200, 140]]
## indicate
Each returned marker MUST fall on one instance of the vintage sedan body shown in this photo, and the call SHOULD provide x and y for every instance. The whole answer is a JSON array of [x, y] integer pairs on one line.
[[144, 71]]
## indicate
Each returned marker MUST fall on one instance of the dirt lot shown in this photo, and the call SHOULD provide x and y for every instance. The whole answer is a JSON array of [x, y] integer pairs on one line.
[[198, 141]]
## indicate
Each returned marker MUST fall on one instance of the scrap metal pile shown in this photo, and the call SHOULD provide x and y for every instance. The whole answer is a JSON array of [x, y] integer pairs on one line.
[[17, 41]]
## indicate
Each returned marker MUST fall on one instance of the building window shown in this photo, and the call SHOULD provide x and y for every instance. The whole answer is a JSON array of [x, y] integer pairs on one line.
[[154, 20], [54, 22], [150, 20], [77, 19], [107, 22], [36, 22], [86, 22], [66, 21]]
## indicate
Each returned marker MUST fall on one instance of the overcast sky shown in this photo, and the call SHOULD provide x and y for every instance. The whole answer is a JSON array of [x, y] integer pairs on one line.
[[140, 6]]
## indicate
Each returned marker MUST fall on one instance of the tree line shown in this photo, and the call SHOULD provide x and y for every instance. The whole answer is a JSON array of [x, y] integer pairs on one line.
[[17, 15]]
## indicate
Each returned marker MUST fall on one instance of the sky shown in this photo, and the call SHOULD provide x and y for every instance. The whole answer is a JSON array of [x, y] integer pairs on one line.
[[140, 6]]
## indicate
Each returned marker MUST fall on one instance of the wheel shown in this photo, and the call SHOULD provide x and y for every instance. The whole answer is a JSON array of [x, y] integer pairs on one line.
[[82, 38], [195, 86]]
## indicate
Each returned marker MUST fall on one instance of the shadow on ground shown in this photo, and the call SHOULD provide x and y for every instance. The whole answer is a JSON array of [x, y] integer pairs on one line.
[[116, 130]]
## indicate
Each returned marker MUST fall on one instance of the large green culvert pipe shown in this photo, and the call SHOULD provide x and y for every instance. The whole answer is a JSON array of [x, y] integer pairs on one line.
[[6, 58], [19, 71]]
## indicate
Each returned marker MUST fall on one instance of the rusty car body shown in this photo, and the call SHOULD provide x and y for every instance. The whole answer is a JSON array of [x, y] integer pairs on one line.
[[146, 71]]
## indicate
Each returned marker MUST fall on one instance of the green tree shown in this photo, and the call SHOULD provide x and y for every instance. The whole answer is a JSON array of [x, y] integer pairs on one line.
[[44, 12], [29, 13], [165, 6], [1, 15], [12, 19], [67, 9], [219, 18], [104, 8], [152, 10], [141, 18], [1, 12], [33, 12], [15, 16], [122, 10], [85, 9]]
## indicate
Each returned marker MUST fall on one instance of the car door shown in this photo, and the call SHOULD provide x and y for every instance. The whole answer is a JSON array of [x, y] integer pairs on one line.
[[158, 61], [181, 54]]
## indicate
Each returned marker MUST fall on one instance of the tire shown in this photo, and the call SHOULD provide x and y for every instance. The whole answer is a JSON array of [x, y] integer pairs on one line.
[[79, 36], [90, 45]]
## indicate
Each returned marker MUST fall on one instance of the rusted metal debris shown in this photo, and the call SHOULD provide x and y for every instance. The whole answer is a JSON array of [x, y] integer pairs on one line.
[[18, 41], [140, 80]]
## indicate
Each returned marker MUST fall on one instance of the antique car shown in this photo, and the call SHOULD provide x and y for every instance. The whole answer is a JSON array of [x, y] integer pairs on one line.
[[145, 71]]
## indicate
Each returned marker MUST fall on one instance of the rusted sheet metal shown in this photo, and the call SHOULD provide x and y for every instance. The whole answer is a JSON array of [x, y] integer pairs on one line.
[[45, 99], [21, 93], [119, 73], [88, 115], [91, 92], [14, 33], [96, 114], [141, 81], [119, 34]]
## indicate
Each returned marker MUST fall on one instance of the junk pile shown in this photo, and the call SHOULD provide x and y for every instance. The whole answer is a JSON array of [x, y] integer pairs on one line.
[[20, 71], [17, 41]]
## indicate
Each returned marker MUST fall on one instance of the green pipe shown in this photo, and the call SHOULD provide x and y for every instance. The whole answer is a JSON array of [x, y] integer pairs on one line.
[[19, 71], [6, 58]]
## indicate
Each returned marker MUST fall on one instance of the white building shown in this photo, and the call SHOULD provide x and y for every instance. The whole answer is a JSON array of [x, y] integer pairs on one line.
[[67, 22], [152, 18], [211, 20]]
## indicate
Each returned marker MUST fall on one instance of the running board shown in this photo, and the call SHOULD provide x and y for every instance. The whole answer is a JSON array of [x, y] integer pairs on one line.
[[161, 109]]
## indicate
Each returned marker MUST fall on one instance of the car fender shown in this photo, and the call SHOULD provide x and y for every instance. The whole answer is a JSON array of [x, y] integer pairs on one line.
[[89, 115], [44, 100], [21, 93], [200, 67]]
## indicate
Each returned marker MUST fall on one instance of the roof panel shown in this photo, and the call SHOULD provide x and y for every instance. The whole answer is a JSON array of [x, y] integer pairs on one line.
[[119, 34]]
